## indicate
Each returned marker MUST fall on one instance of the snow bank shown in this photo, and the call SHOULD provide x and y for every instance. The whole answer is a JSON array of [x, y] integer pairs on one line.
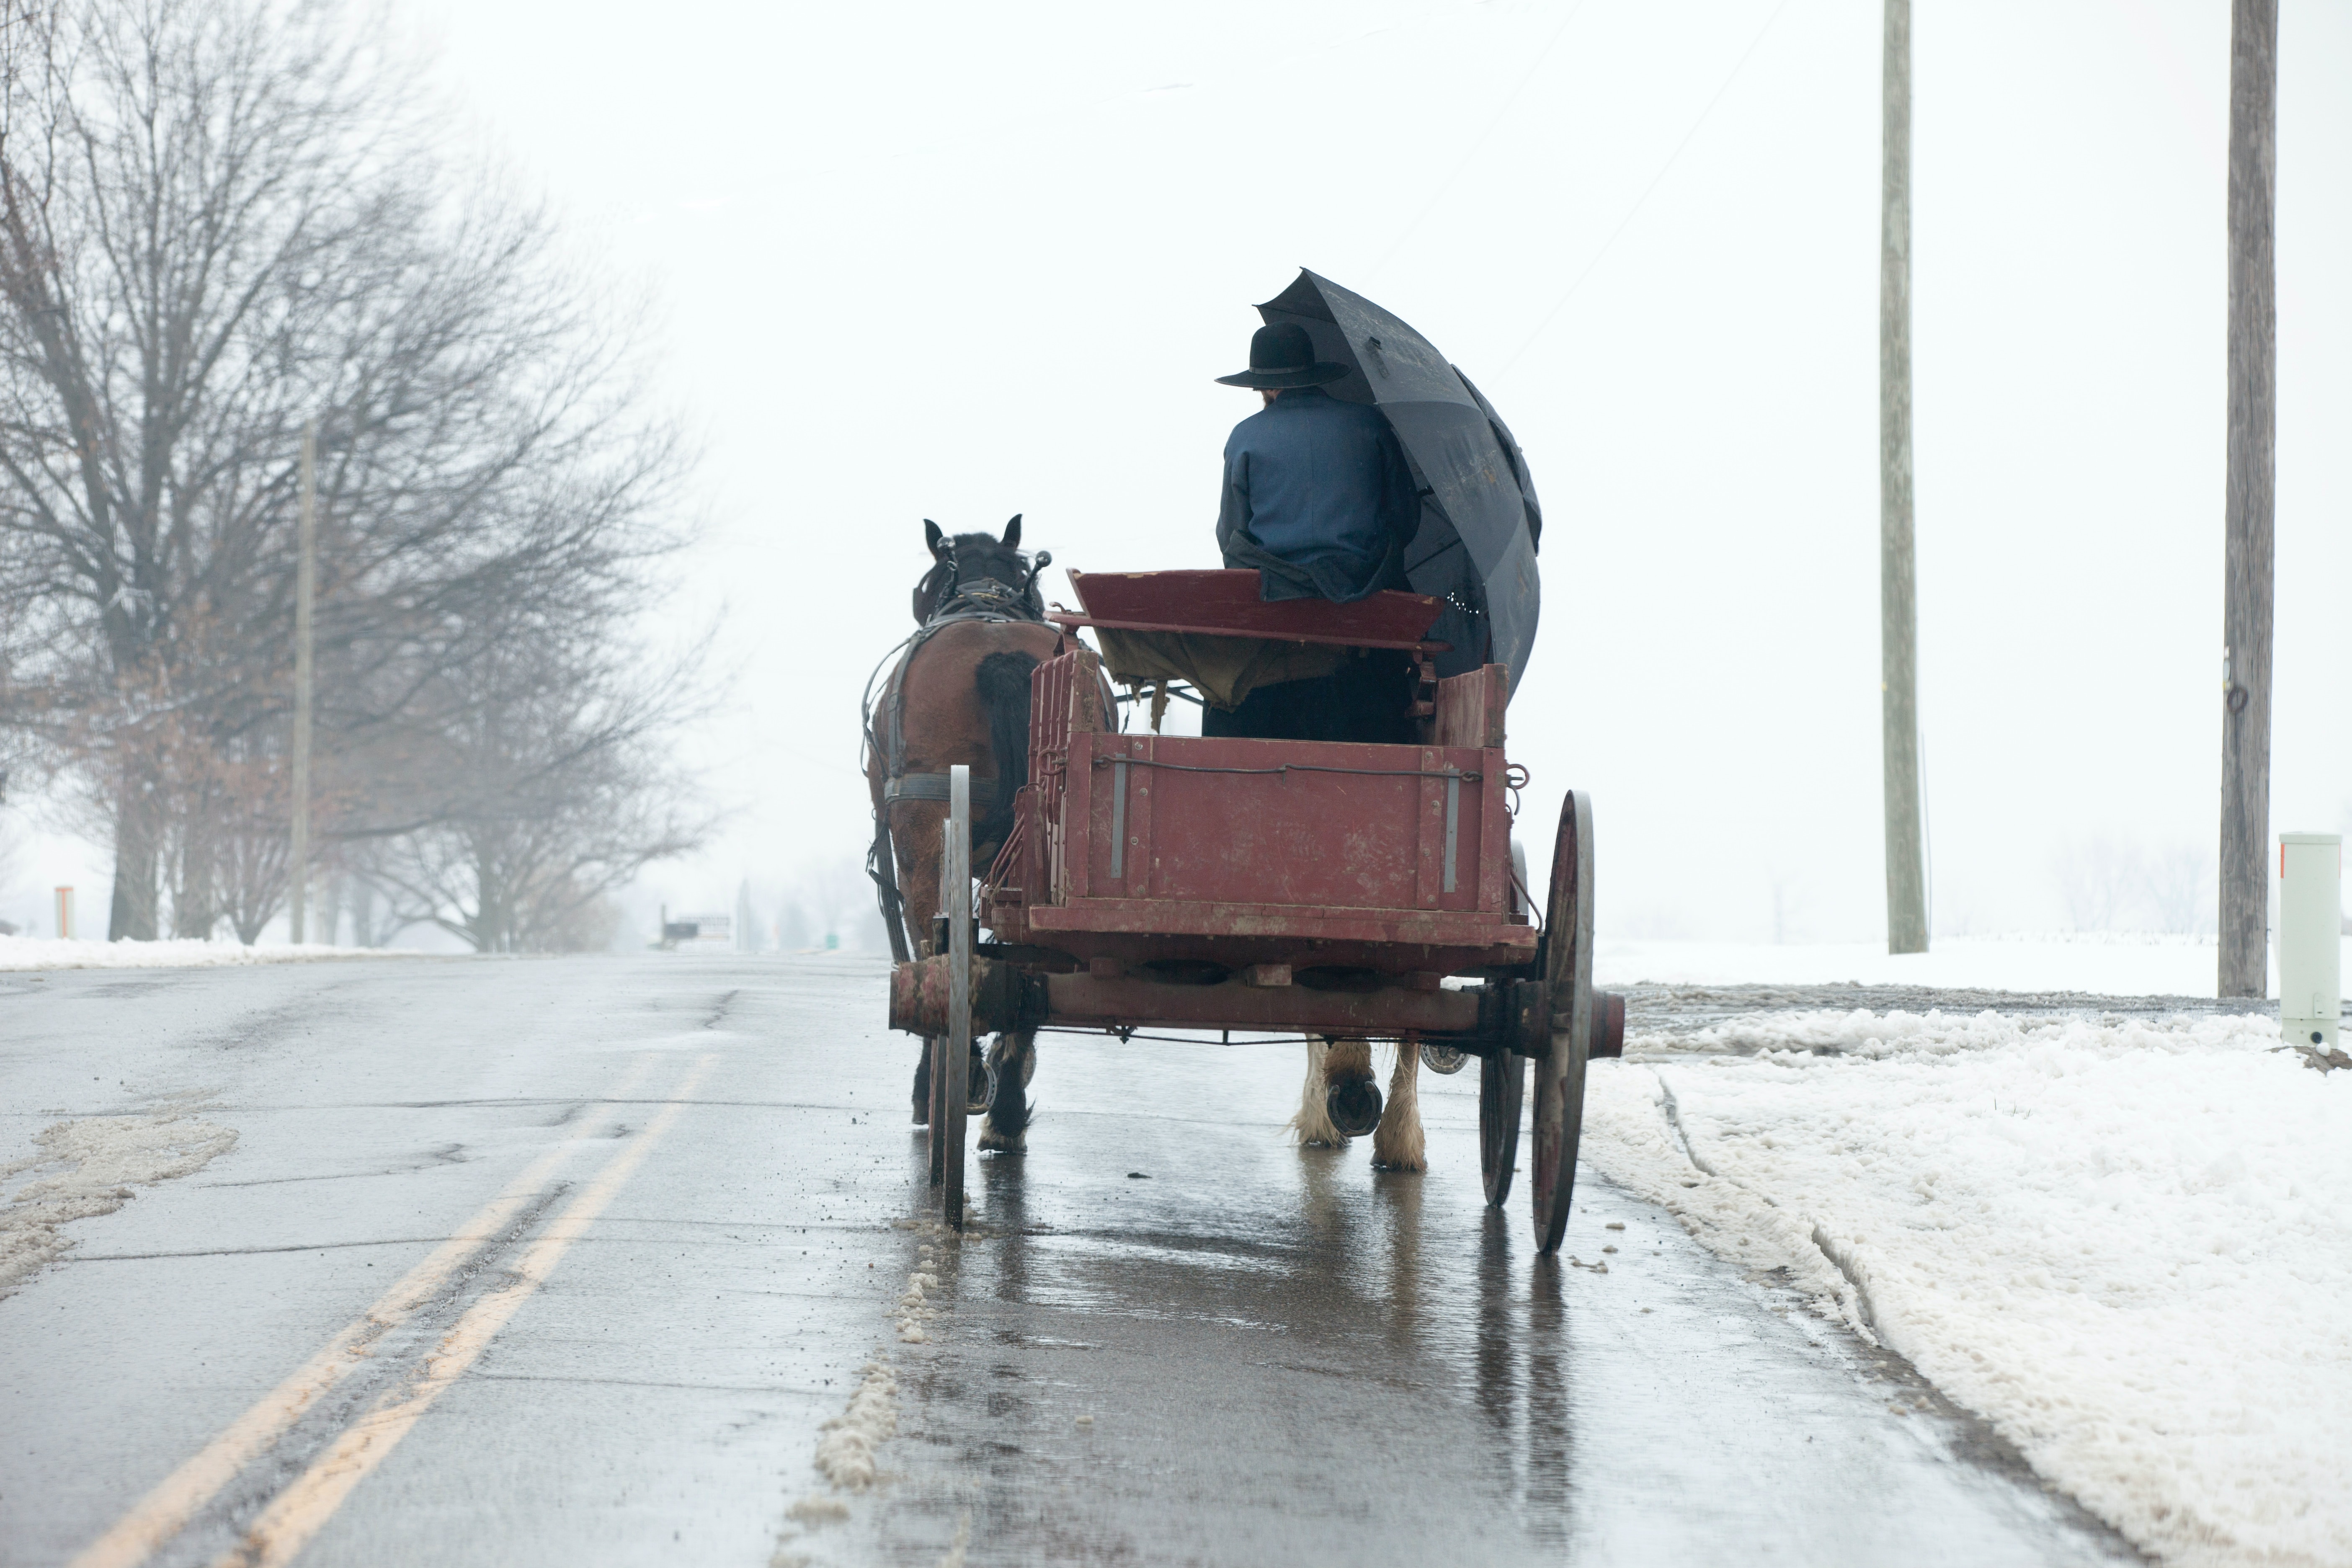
[[2128, 1246], [95, 1162], [2111, 964], [75, 952]]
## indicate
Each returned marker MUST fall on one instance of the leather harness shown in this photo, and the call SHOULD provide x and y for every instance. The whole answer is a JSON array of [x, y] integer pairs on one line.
[[984, 600]]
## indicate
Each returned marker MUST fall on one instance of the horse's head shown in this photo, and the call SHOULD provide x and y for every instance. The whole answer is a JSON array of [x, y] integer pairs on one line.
[[964, 560]]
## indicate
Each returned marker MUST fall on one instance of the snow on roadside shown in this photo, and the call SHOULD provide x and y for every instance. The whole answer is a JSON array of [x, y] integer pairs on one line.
[[94, 1161], [22, 953], [2113, 964], [847, 1449], [846, 1453], [2128, 1246]]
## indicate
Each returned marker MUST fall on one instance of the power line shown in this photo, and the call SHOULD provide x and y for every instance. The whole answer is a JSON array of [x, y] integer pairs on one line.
[[1655, 181], [1492, 125]]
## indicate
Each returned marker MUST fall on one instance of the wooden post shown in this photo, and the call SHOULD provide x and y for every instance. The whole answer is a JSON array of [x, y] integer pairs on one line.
[[1898, 603], [2249, 501], [955, 898], [306, 577]]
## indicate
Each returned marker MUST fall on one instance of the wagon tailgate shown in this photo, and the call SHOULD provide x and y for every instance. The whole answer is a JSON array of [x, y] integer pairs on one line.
[[1307, 825]]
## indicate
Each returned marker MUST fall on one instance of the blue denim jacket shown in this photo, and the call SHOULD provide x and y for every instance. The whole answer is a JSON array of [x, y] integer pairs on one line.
[[1322, 486]]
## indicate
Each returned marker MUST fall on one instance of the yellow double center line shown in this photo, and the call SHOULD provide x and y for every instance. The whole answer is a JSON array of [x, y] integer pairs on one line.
[[302, 1508]]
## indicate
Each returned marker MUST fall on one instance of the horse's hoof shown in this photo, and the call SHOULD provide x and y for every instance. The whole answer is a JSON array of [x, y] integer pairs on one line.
[[990, 1144], [1354, 1106], [922, 1118]]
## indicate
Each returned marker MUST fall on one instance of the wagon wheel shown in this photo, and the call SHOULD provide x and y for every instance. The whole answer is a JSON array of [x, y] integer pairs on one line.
[[1502, 1090], [1568, 971], [948, 1118], [950, 1051]]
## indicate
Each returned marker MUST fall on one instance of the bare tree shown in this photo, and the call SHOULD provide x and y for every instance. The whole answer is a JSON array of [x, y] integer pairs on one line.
[[2113, 883], [218, 218], [563, 789], [2099, 877], [2178, 883], [792, 923]]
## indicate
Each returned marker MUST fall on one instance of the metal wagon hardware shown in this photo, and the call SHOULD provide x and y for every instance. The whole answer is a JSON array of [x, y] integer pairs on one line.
[[1347, 890]]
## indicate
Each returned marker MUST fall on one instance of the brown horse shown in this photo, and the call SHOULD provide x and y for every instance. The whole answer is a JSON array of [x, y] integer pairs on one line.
[[960, 694]]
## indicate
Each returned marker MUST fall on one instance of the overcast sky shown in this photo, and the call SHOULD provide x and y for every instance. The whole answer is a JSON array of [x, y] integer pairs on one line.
[[959, 261]]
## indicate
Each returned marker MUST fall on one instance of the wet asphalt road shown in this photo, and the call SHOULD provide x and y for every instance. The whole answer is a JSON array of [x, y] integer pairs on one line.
[[685, 1201]]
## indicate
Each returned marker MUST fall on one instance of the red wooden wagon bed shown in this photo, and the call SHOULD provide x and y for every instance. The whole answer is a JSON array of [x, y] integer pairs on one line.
[[1347, 890]]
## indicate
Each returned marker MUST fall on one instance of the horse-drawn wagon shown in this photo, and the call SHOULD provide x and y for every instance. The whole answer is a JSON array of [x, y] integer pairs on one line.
[[1271, 888]]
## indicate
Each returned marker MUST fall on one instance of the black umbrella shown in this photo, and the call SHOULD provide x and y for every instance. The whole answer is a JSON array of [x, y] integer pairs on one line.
[[1479, 520]]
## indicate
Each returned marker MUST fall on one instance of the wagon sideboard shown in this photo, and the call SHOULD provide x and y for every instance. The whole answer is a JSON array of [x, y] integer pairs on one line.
[[1177, 852]]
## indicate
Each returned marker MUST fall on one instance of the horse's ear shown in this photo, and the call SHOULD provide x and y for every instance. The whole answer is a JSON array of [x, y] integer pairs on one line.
[[932, 537], [1013, 533]]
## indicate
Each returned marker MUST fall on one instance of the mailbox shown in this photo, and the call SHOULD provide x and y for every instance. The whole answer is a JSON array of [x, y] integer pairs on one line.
[[2311, 937]]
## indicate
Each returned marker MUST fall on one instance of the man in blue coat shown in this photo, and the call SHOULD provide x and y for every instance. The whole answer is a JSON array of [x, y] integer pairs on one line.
[[1319, 501], [1318, 497]]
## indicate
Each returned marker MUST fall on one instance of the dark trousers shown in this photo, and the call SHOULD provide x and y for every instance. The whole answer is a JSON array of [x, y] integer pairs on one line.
[[1369, 701]]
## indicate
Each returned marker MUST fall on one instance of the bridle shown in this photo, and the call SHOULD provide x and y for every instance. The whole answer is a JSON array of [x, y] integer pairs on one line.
[[982, 595]]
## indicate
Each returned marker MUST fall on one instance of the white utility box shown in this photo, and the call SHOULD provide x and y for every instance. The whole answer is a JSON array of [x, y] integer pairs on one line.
[[2311, 937]]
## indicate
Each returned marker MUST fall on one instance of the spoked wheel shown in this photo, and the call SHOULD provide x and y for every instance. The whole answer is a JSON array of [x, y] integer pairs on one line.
[[948, 1114], [1567, 970], [1502, 1090], [951, 1051]]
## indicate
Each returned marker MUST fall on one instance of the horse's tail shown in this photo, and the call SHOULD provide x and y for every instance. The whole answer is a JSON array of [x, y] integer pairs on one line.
[[1003, 679]]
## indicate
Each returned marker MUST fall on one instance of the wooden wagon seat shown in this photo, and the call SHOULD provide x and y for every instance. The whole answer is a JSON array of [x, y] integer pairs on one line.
[[1212, 630]]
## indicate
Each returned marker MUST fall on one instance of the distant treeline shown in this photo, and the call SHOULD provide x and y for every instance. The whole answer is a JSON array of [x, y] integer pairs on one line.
[[220, 220]]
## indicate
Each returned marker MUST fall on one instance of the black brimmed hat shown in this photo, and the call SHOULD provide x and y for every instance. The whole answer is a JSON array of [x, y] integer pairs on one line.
[[1283, 355]]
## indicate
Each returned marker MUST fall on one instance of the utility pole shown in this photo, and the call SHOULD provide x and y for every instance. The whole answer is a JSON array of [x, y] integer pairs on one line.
[[1898, 596], [306, 581], [2249, 504]]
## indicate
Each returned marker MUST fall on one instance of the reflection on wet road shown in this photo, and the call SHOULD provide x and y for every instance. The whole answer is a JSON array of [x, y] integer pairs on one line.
[[1175, 1338]]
